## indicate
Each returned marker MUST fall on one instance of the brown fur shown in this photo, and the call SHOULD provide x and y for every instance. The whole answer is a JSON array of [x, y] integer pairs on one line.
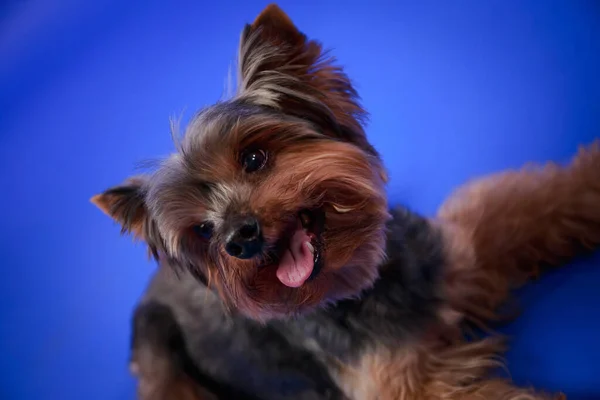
[[115, 205], [428, 371], [498, 232], [304, 175], [307, 170], [515, 224], [159, 380]]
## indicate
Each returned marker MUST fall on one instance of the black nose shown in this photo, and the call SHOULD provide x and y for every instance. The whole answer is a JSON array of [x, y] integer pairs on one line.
[[244, 239]]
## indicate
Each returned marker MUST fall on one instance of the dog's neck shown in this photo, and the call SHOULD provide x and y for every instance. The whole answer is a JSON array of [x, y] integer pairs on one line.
[[399, 305]]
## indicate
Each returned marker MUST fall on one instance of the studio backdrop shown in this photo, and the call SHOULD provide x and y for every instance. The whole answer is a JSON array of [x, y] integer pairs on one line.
[[456, 89]]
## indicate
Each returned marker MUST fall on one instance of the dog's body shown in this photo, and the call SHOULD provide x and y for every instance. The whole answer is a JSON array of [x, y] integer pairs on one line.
[[237, 357], [285, 276], [294, 359]]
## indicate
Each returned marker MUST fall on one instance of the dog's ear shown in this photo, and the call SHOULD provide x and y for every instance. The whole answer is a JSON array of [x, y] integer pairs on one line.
[[126, 204], [277, 25], [280, 68], [272, 43]]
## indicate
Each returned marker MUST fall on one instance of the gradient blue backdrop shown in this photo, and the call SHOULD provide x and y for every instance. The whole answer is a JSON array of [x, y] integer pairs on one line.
[[456, 89]]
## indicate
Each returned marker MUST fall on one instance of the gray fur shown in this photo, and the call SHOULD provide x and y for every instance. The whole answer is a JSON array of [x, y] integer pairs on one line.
[[228, 348], [289, 359]]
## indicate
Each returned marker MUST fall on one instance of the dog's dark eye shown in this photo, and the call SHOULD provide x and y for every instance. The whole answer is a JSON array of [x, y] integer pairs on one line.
[[254, 160], [204, 230]]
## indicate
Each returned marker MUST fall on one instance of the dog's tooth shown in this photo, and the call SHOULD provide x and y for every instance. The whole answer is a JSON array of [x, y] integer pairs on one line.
[[341, 210], [310, 247], [305, 219]]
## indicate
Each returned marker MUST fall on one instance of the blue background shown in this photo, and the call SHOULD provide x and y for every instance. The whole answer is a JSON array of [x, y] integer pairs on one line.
[[456, 89]]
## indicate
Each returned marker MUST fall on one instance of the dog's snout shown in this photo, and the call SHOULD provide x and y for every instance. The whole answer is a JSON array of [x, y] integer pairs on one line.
[[244, 239]]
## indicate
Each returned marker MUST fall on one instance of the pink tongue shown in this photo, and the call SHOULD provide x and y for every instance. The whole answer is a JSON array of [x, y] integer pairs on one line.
[[297, 262]]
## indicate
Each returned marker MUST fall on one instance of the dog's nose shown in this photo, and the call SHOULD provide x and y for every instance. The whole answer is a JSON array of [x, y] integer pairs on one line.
[[244, 239]]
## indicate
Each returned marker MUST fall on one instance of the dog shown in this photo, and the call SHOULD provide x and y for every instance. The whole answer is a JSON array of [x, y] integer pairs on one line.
[[186, 345], [274, 235]]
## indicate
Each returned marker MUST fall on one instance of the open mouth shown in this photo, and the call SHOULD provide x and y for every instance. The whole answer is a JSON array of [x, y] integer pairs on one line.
[[302, 258]]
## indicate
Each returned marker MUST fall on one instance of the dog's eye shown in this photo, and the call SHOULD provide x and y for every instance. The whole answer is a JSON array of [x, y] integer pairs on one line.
[[253, 160], [204, 230]]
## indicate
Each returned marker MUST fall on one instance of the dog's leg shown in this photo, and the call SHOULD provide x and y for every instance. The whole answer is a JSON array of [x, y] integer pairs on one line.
[[158, 380], [509, 226], [433, 370], [158, 357], [495, 389], [461, 371]]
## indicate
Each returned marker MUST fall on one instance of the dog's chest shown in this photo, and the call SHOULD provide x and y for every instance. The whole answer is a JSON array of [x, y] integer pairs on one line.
[[397, 308]]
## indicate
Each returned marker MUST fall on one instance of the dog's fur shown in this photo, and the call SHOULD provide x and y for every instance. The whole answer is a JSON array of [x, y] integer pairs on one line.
[[228, 355], [385, 316]]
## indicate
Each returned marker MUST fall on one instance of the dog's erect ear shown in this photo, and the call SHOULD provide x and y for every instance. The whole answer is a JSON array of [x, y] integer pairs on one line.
[[280, 68], [277, 25], [126, 204], [273, 44], [276, 61]]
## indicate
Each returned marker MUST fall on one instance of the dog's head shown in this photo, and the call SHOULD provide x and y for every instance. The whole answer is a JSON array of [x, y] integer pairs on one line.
[[275, 197]]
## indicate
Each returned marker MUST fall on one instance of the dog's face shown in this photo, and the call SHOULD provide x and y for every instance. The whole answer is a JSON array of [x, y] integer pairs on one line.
[[274, 197]]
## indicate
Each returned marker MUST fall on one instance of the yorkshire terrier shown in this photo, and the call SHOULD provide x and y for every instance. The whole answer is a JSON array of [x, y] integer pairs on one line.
[[284, 274]]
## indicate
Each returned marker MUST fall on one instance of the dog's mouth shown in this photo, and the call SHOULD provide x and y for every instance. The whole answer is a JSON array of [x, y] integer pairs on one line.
[[301, 258]]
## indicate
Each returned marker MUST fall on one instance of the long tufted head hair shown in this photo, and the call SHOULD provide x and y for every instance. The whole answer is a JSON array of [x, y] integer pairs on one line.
[[275, 197]]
